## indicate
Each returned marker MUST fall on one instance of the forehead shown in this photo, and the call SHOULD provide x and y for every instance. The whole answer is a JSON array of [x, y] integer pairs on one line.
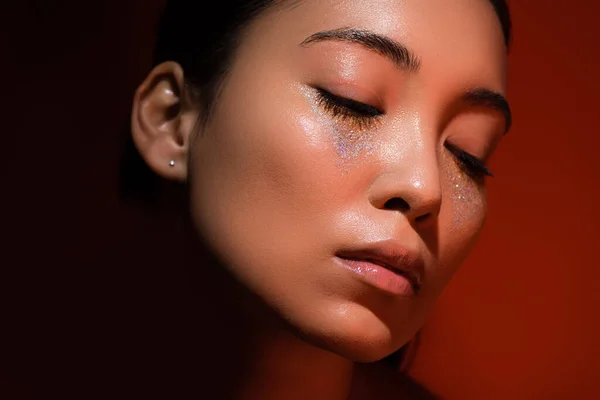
[[458, 39]]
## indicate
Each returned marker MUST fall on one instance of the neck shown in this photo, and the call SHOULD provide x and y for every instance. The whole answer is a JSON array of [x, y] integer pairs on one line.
[[283, 366], [254, 354]]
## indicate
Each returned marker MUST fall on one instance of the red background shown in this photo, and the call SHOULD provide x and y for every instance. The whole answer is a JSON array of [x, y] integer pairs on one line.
[[519, 321]]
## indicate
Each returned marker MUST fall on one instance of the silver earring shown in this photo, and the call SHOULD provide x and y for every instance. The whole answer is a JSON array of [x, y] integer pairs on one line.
[[171, 163]]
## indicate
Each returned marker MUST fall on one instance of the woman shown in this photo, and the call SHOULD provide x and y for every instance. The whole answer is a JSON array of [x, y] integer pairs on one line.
[[334, 160]]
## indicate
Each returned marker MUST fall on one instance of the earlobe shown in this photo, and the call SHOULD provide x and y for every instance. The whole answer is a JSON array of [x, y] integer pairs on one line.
[[158, 121]]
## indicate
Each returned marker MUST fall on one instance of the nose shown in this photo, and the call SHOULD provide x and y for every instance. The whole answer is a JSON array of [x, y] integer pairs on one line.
[[411, 186]]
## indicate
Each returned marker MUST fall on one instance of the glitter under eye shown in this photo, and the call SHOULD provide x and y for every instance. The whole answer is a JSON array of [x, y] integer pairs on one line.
[[350, 133], [351, 123], [466, 197]]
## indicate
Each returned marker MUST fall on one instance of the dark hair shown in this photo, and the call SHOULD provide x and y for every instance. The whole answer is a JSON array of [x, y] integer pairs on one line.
[[204, 50], [203, 43]]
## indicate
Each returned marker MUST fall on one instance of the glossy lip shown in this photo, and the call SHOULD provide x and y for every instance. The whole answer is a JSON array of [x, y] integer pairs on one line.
[[392, 256]]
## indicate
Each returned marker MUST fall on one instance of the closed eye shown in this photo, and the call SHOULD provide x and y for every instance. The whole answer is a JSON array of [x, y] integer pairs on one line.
[[471, 165], [363, 115]]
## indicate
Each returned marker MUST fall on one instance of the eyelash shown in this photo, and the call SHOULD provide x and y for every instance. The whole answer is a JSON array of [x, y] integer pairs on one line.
[[362, 116], [365, 116], [471, 165]]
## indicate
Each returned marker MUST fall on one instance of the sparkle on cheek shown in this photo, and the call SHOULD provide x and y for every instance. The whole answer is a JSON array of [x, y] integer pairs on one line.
[[468, 199], [350, 143]]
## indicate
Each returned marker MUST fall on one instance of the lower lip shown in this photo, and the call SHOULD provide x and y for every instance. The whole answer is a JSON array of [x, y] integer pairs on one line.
[[378, 276]]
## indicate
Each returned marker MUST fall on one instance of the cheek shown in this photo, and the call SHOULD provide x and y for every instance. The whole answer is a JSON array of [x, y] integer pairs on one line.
[[462, 216], [264, 185], [468, 202]]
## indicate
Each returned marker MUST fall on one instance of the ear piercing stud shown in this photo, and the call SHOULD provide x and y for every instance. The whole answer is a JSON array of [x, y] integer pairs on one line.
[[171, 163]]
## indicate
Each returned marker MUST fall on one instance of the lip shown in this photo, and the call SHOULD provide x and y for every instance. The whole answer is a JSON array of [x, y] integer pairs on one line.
[[387, 265]]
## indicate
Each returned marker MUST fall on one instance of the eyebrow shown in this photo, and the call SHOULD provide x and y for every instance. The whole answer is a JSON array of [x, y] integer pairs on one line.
[[406, 60], [401, 56], [494, 101]]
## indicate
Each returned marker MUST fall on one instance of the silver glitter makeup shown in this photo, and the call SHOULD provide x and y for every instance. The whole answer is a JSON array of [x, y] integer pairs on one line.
[[467, 197], [349, 143]]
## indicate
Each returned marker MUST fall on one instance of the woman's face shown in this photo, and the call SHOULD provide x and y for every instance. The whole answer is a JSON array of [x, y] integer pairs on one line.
[[335, 156]]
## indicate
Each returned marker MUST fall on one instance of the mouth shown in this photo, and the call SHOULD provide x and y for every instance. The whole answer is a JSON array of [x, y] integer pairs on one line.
[[388, 266]]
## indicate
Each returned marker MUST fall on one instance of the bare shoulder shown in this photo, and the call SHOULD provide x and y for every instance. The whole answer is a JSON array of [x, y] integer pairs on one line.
[[378, 381]]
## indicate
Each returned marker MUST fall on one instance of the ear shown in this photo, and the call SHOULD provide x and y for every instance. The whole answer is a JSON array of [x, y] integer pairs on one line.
[[162, 123]]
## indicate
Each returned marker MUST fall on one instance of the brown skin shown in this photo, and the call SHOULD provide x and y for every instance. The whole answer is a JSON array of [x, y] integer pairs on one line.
[[275, 198]]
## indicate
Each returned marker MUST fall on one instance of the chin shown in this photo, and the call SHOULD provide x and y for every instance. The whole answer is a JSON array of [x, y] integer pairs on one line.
[[357, 334]]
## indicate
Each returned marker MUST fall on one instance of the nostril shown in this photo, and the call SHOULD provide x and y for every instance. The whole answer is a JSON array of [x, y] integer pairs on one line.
[[397, 203]]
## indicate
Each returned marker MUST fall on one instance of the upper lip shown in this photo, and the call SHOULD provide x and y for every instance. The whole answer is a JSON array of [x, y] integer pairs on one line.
[[391, 255]]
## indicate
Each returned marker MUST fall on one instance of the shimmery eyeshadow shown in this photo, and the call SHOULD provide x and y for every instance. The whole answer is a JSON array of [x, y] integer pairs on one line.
[[349, 143]]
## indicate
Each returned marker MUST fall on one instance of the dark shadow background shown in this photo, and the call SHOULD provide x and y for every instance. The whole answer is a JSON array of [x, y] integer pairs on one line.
[[83, 313]]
